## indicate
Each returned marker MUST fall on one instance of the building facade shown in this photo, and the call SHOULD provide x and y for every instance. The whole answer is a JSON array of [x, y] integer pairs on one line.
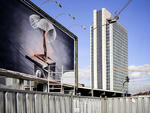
[[109, 53]]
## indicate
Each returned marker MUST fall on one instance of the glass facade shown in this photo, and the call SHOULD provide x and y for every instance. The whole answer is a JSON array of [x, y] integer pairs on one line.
[[120, 56], [99, 50], [108, 57], [109, 50]]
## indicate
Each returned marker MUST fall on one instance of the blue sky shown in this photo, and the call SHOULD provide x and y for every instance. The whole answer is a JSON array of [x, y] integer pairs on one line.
[[135, 18]]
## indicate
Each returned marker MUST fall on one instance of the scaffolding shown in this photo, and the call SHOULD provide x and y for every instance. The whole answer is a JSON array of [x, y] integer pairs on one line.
[[31, 82]]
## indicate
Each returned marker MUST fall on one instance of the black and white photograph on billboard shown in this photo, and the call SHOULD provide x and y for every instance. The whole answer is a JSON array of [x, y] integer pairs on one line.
[[31, 43]]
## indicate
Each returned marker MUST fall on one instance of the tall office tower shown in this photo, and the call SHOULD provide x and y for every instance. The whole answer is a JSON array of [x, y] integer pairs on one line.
[[109, 53]]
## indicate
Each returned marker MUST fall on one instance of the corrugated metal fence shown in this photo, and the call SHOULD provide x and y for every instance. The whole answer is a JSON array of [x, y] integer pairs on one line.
[[14, 101]]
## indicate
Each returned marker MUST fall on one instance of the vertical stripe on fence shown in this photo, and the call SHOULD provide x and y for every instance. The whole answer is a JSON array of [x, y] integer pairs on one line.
[[32, 102]]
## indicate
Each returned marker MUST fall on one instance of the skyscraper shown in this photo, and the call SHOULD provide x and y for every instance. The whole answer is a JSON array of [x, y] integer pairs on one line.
[[109, 52]]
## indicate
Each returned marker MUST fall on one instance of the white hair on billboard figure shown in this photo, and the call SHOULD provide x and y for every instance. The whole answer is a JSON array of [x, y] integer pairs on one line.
[[40, 23]]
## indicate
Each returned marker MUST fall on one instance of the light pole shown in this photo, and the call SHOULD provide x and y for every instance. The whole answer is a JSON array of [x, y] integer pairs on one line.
[[51, 1], [126, 81], [83, 27], [91, 61], [70, 15]]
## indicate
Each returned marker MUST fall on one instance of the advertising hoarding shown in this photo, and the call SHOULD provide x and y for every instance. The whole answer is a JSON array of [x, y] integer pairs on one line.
[[30, 42]]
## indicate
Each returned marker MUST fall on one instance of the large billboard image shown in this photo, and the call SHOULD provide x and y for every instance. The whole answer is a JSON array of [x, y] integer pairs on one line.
[[30, 43]]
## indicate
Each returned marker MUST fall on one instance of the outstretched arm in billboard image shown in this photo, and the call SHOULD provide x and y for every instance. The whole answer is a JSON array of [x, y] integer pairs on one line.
[[44, 45]]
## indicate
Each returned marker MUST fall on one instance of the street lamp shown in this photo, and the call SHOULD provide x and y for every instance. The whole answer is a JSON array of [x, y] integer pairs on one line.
[[83, 27], [70, 15], [51, 1], [126, 81]]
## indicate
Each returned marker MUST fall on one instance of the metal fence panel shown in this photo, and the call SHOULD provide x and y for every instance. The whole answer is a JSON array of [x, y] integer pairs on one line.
[[96, 106], [139, 108], [74, 105], [103, 106], [121, 106], [62, 104], [30, 101], [1, 102], [81, 106], [99, 103], [45, 104], [38, 103], [127, 105], [109, 105], [89, 106], [21, 103], [68, 104], [134, 105], [24, 102], [52, 104], [57, 105], [115, 105], [85, 105], [146, 105], [76, 108], [10, 102]]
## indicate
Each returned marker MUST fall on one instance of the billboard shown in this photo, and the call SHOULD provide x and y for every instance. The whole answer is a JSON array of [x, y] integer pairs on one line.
[[31, 43]]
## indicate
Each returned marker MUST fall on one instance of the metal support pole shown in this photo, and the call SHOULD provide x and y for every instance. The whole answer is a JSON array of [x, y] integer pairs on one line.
[[124, 88], [62, 91], [92, 71], [30, 85], [21, 84], [76, 67], [48, 78]]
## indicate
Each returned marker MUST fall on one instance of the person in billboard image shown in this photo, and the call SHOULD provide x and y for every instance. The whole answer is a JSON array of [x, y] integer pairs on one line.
[[42, 61]]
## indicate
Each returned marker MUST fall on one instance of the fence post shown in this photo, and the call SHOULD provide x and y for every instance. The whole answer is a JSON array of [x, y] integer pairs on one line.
[[16, 101], [71, 102], [148, 104], [105, 104], [112, 101], [143, 105], [4, 100]]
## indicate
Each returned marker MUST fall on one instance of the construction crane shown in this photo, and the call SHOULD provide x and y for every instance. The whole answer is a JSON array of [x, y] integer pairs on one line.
[[116, 17], [127, 79], [131, 70]]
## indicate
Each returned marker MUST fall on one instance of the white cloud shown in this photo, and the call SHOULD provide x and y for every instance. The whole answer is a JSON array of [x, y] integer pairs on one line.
[[135, 75], [69, 78], [84, 77], [138, 79], [136, 88], [136, 84]]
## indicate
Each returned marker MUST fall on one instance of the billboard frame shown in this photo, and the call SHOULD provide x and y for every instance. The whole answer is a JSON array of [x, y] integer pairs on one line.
[[39, 11]]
